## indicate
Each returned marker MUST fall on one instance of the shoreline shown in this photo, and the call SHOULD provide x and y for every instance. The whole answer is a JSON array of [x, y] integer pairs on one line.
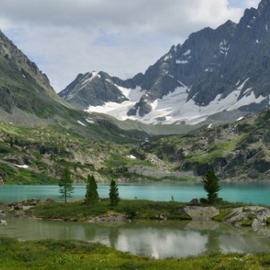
[[128, 211]]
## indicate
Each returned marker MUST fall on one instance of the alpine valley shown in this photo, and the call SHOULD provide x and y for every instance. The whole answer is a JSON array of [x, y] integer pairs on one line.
[[216, 85]]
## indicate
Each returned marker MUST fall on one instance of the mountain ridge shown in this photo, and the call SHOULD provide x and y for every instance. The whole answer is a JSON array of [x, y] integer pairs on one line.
[[213, 71]]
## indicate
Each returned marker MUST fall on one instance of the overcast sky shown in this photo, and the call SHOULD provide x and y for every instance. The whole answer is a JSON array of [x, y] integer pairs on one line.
[[121, 37]]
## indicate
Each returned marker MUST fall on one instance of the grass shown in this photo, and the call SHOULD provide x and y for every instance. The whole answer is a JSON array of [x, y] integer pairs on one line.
[[117, 160], [70, 255], [133, 209], [218, 150], [49, 149], [24, 176]]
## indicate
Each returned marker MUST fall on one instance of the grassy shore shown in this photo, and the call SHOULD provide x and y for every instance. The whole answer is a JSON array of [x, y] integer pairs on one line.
[[70, 255], [132, 209]]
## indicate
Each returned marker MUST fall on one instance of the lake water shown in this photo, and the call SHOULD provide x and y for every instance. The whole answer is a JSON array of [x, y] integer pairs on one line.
[[247, 193], [157, 240]]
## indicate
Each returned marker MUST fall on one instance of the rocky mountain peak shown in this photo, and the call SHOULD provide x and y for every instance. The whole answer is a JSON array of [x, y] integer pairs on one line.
[[214, 72], [264, 6], [16, 57]]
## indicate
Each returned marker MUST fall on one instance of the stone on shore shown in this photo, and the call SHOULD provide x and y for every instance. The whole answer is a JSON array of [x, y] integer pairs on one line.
[[254, 216], [201, 213], [3, 222], [109, 218]]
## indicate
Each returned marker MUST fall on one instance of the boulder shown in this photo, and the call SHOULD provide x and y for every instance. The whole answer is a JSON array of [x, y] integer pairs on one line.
[[3, 222], [109, 218], [254, 216], [201, 213]]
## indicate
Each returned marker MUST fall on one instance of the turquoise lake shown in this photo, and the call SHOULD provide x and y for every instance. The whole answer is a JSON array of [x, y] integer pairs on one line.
[[151, 239], [183, 192]]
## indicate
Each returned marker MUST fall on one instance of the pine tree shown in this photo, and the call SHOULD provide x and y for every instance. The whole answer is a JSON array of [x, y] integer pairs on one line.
[[91, 196], [114, 194], [211, 186], [65, 185]]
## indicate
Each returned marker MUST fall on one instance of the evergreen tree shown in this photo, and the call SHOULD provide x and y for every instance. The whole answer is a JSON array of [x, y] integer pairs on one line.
[[114, 194], [211, 186], [65, 185], [91, 196]]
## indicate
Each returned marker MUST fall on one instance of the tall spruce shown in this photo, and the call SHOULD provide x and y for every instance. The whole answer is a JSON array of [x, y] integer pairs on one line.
[[211, 186], [91, 196], [114, 194], [65, 185]]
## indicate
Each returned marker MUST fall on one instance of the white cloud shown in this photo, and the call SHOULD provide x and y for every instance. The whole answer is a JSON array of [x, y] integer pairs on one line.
[[123, 37], [252, 3]]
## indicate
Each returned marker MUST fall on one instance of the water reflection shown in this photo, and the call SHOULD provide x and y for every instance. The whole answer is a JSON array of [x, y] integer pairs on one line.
[[153, 240], [158, 243]]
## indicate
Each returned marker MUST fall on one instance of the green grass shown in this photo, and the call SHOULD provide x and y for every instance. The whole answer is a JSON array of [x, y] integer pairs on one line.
[[24, 176], [70, 255], [134, 209], [116, 160], [223, 212], [216, 151], [50, 149]]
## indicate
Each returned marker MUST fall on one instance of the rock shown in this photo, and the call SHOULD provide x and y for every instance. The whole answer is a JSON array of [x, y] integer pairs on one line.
[[18, 207], [162, 217], [254, 216], [27, 207], [2, 214], [201, 213], [3, 222], [110, 218]]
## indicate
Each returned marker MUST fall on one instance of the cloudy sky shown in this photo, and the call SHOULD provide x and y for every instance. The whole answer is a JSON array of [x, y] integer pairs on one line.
[[122, 37]]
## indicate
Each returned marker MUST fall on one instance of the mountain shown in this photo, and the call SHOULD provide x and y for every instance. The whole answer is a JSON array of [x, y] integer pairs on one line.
[[95, 88], [215, 75], [41, 134], [28, 99], [238, 151]]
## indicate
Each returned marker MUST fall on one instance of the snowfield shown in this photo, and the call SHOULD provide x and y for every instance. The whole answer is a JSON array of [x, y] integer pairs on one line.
[[175, 108]]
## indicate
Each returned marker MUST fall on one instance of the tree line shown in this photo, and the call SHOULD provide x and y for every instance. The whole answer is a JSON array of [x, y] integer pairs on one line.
[[210, 183], [91, 196]]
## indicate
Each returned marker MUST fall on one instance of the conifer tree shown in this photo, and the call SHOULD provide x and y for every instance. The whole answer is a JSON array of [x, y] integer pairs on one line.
[[211, 186], [65, 185], [91, 196], [114, 194]]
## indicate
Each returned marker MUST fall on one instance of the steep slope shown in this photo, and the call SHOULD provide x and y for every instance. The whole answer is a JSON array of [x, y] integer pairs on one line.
[[22, 84], [237, 151], [27, 99], [40, 134], [95, 88], [214, 72], [40, 154]]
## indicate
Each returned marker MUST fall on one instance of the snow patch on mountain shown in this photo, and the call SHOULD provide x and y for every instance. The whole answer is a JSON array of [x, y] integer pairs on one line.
[[120, 110], [91, 76], [182, 62], [81, 123], [175, 108], [188, 52]]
